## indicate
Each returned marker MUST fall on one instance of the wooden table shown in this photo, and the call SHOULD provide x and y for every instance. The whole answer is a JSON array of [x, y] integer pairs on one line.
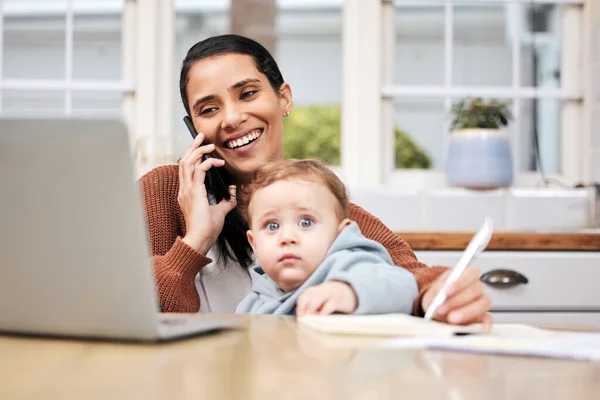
[[271, 358]]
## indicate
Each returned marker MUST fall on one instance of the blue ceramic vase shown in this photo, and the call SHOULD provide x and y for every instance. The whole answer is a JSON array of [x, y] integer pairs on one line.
[[479, 159]]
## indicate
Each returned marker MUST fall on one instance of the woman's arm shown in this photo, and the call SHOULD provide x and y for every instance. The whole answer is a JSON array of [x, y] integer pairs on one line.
[[401, 253], [175, 263]]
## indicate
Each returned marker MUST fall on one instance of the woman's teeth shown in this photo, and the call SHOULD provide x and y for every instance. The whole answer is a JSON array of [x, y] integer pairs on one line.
[[250, 137]]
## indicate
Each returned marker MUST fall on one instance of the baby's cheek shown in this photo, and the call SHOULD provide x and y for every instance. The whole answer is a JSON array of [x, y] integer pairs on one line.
[[260, 248], [318, 254], [265, 260]]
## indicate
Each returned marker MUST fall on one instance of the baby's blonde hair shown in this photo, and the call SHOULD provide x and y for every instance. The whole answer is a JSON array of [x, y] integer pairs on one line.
[[311, 170]]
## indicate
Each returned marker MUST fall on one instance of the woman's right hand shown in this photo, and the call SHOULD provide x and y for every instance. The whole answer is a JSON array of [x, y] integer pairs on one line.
[[203, 221]]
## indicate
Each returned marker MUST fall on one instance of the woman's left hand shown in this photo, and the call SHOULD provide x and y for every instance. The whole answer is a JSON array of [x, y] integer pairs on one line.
[[465, 303]]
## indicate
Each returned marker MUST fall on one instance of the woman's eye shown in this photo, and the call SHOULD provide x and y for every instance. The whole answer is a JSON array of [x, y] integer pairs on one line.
[[306, 222], [247, 94], [208, 110], [272, 226]]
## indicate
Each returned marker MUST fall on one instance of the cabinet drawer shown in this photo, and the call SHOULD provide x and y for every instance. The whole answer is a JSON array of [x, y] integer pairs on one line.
[[555, 280]]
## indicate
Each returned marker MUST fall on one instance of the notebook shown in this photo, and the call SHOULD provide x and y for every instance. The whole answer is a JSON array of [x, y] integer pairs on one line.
[[394, 325]]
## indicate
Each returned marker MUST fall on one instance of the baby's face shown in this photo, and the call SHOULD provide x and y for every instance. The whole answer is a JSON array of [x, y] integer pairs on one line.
[[293, 224]]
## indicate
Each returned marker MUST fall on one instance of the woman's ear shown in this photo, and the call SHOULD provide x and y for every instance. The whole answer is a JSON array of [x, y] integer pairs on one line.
[[344, 224], [285, 98], [250, 238]]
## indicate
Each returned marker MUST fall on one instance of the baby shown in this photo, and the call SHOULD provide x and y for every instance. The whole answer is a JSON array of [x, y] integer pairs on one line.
[[311, 258]]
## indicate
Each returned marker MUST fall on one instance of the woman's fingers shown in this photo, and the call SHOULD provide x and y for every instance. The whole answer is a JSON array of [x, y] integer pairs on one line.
[[433, 290], [196, 155], [228, 205], [469, 275], [475, 311], [487, 322], [467, 295], [200, 169], [188, 163]]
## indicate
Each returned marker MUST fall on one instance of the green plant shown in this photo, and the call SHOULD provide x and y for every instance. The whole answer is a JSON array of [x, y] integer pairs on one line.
[[314, 132], [478, 113], [408, 154]]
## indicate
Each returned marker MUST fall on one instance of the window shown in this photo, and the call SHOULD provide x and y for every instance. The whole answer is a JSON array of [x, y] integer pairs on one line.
[[61, 58], [434, 52], [387, 63]]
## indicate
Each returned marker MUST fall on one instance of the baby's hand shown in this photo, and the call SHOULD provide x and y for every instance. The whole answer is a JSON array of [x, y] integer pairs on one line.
[[327, 298]]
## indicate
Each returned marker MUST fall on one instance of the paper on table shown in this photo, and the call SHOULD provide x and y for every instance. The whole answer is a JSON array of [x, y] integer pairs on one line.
[[571, 345]]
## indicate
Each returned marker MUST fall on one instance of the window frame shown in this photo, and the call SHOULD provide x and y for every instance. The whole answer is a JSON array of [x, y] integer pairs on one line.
[[67, 85], [146, 78]]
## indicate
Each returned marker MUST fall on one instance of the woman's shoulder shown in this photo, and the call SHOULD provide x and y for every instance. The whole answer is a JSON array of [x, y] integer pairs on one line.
[[370, 225], [372, 228], [160, 185], [362, 216], [164, 174]]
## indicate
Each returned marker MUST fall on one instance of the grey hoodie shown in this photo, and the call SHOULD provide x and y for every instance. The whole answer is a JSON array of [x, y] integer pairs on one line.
[[362, 263]]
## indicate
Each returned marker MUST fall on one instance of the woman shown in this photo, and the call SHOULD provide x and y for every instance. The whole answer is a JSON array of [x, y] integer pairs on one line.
[[233, 91]]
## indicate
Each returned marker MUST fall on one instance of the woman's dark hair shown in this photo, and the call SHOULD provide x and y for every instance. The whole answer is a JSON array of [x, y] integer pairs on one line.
[[232, 240]]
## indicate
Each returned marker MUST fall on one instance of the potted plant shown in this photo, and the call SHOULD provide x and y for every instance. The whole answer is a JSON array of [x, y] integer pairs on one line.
[[479, 155]]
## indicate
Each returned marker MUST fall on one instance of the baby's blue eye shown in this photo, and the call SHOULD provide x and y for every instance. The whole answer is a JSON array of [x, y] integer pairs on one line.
[[272, 226], [306, 222]]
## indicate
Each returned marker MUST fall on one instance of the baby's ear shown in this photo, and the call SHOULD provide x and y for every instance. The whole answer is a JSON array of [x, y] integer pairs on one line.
[[250, 238], [344, 224]]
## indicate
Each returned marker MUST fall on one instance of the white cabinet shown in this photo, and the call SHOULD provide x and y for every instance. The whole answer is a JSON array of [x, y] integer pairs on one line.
[[542, 287]]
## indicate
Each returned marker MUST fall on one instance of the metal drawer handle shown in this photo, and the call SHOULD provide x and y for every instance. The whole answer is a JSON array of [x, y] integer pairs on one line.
[[503, 278]]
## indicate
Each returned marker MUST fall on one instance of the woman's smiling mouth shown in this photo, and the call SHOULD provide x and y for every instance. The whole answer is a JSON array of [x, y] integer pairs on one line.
[[245, 139]]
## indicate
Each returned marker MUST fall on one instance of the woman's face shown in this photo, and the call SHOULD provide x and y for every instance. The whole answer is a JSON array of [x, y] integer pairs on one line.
[[236, 108]]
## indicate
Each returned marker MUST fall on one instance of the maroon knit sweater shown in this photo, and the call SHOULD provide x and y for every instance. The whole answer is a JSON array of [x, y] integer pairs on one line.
[[176, 264]]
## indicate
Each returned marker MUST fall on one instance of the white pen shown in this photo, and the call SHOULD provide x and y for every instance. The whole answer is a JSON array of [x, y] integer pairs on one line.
[[475, 247]]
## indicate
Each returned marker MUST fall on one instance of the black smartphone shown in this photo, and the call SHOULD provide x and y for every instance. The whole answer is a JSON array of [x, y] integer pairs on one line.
[[216, 183]]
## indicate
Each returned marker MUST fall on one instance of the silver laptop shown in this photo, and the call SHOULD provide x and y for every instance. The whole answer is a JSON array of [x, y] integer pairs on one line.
[[74, 258]]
